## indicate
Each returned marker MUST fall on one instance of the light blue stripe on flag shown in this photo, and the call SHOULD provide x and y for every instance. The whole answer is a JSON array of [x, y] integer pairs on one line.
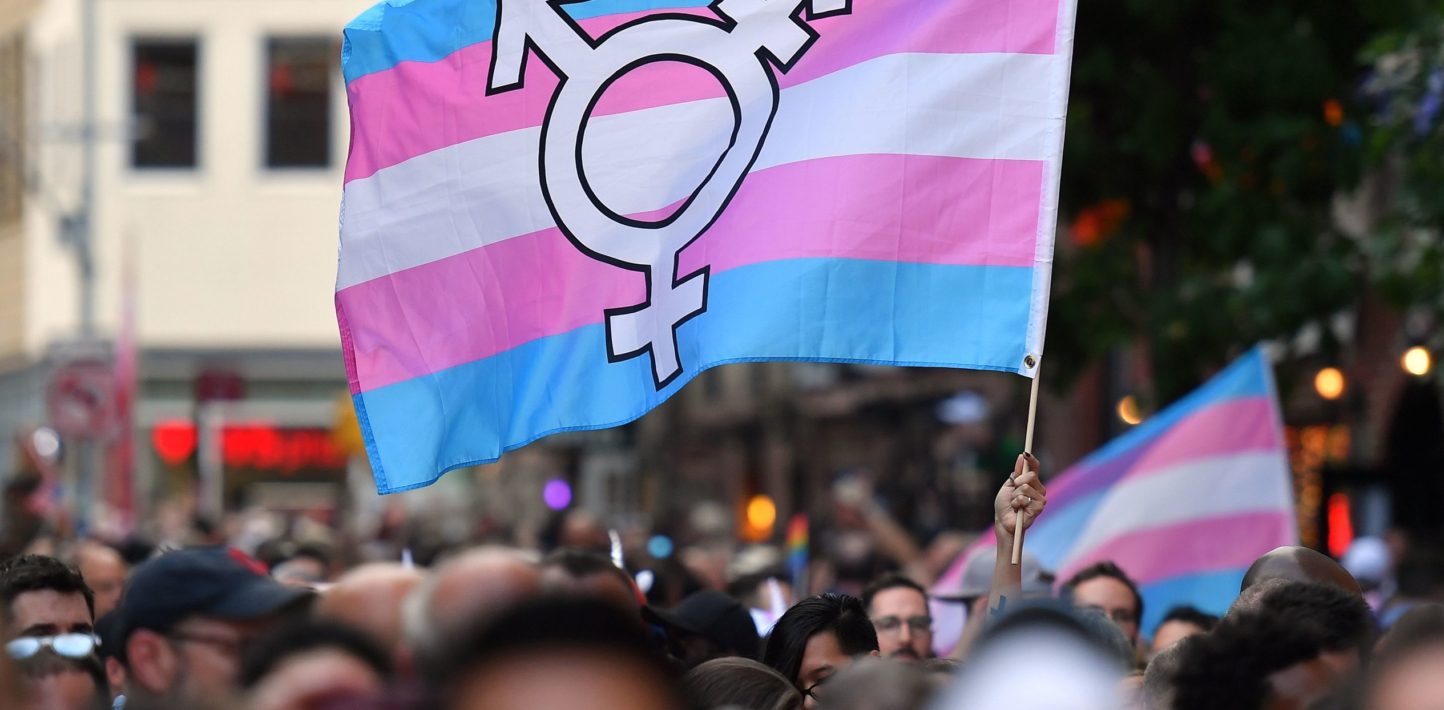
[[871, 312], [1210, 591], [398, 31]]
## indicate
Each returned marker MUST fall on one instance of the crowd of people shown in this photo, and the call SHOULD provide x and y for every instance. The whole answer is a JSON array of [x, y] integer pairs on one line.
[[496, 627]]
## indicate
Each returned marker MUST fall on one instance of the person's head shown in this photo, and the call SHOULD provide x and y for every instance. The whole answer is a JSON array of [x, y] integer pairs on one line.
[[742, 683], [1344, 619], [568, 571], [187, 618], [464, 591], [1158, 676], [311, 662], [1293, 563], [556, 652], [1105, 587], [898, 608], [54, 682], [879, 684], [1408, 672], [1004, 670], [1296, 646], [48, 606], [1179, 623], [104, 571], [816, 638], [707, 625], [370, 598]]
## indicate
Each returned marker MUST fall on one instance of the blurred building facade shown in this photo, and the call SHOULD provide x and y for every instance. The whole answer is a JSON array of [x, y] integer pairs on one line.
[[219, 137]]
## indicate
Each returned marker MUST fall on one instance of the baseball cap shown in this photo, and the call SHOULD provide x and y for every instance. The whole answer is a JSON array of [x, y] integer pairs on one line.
[[716, 616], [218, 582], [977, 579]]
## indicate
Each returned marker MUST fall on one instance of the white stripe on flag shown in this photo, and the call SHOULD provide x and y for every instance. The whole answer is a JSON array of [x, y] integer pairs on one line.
[[986, 106], [1204, 488]]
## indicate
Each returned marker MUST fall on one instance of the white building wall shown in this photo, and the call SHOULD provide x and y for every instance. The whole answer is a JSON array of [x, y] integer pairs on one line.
[[227, 254]]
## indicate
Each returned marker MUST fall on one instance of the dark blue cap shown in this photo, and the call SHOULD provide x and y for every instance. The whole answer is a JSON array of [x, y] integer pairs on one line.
[[218, 582]]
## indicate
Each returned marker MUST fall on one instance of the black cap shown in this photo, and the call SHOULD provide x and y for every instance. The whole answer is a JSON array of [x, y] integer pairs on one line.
[[716, 616], [218, 582]]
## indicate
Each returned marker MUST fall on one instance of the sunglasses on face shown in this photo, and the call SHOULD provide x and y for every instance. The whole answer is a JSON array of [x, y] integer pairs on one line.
[[68, 645]]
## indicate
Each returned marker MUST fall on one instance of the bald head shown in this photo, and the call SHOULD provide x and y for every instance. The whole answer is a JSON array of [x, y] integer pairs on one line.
[[369, 598], [468, 588], [1300, 564]]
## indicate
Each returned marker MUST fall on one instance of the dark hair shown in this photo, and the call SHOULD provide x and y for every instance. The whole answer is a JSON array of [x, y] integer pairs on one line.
[[891, 580], [31, 573], [551, 623], [580, 563], [272, 650], [839, 614], [740, 682], [1110, 570], [1191, 615], [1343, 619], [1229, 667]]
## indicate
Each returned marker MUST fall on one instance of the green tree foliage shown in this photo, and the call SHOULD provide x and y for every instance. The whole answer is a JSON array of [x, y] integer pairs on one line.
[[1403, 93], [1206, 142]]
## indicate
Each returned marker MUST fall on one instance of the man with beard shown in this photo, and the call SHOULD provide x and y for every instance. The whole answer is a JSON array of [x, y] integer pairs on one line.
[[898, 609], [187, 618]]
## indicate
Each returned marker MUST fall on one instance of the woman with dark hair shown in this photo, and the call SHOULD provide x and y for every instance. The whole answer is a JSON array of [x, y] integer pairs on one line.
[[740, 683], [818, 637]]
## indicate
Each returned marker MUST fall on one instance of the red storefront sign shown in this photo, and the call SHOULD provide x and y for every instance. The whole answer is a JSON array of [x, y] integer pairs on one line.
[[253, 445]]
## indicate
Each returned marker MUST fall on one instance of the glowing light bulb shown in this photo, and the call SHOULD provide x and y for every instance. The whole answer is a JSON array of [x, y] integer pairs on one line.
[[1128, 411], [1329, 383], [1417, 361], [761, 513]]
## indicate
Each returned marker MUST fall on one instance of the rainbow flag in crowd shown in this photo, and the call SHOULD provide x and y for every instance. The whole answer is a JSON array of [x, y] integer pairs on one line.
[[798, 544], [1184, 502], [555, 215]]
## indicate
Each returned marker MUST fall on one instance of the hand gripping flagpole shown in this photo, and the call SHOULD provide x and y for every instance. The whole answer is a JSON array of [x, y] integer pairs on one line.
[[1027, 449]]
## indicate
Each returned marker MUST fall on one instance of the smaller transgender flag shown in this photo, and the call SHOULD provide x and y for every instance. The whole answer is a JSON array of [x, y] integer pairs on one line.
[[1184, 502]]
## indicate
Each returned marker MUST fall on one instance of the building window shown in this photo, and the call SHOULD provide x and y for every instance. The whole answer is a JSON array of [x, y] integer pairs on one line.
[[165, 104], [298, 102]]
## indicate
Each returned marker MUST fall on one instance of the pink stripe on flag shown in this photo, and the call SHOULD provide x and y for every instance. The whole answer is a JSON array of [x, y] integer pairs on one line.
[[1207, 545], [1230, 427], [415, 107], [475, 304]]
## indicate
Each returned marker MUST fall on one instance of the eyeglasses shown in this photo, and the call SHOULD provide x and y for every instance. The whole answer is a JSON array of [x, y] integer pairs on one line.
[[893, 624], [814, 691], [68, 645]]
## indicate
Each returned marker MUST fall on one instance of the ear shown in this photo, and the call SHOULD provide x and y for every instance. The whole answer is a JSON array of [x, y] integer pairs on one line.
[[874, 654], [151, 660]]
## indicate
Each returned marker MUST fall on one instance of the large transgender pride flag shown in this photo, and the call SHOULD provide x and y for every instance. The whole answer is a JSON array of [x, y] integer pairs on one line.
[[1184, 502], [556, 215]]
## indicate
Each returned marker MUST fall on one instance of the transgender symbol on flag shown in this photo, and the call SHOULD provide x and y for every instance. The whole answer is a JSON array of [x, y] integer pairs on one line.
[[739, 49]]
